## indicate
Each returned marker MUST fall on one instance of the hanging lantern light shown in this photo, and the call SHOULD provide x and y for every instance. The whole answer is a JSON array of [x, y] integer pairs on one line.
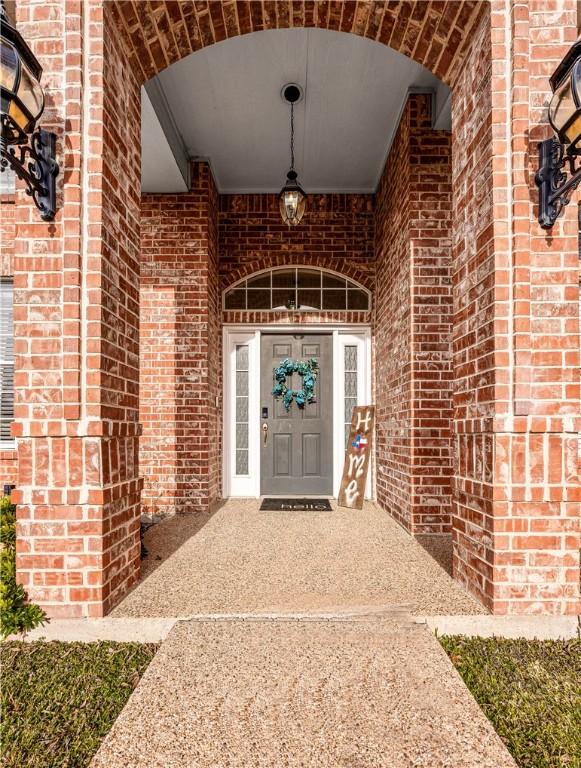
[[29, 153], [565, 106], [559, 172], [292, 198]]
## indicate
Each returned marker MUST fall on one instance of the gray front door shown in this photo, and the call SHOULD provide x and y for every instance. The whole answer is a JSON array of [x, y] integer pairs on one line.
[[297, 457]]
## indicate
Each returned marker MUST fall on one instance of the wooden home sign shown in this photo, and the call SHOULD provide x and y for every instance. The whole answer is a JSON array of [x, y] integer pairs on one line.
[[357, 457]]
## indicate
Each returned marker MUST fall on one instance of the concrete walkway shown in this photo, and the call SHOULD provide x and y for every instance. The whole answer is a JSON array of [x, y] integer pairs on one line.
[[242, 560], [359, 692]]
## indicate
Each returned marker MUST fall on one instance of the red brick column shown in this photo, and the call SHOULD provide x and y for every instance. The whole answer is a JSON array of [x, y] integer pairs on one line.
[[413, 377], [180, 348], [516, 342], [474, 309], [76, 323]]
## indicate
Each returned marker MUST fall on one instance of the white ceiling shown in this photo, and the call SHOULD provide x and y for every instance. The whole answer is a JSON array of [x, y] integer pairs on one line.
[[225, 103]]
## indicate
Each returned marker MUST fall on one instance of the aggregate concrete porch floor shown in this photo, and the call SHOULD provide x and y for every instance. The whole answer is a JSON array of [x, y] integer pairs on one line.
[[301, 693], [241, 560]]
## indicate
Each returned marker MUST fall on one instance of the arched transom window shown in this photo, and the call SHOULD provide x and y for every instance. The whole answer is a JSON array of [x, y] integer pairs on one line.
[[303, 288]]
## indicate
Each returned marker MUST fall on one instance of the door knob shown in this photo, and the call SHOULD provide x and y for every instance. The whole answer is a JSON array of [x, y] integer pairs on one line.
[[265, 431]]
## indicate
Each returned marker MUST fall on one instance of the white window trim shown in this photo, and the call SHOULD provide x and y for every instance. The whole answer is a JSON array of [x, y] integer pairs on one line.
[[232, 484], [361, 340], [233, 334], [8, 445]]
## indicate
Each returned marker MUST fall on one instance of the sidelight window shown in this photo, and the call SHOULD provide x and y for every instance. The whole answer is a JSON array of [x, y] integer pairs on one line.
[[241, 409], [296, 288], [350, 389]]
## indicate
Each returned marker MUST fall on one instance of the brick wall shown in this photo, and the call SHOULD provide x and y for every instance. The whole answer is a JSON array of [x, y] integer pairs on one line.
[[413, 375], [474, 315], [336, 233], [214, 444], [115, 338], [76, 323], [431, 263], [256, 317], [8, 468], [536, 501], [393, 318], [434, 34], [189, 255], [180, 348], [516, 344]]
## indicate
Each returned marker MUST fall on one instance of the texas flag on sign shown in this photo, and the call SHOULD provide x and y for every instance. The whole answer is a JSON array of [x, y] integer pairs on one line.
[[360, 443]]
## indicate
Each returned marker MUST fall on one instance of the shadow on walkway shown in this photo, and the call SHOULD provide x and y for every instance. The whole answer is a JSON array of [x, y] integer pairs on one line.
[[439, 547], [162, 539]]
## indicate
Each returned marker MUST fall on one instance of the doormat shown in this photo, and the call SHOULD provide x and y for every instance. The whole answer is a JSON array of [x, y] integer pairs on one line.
[[296, 505]]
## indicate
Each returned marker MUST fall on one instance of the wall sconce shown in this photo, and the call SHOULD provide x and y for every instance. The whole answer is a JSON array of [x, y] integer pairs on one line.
[[559, 175], [22, 103]]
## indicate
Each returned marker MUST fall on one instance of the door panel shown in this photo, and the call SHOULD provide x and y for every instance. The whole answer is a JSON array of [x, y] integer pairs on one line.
[[297, 457], [311, 455], [282, 350], [282, 446], [311, 350]]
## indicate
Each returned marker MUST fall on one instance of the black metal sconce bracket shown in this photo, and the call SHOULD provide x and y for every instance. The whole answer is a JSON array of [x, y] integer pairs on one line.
[[35, 164], [557, 179]]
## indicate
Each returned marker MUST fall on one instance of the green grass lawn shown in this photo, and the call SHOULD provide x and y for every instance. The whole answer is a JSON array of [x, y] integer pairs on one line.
[[530, 691], [60, 699]]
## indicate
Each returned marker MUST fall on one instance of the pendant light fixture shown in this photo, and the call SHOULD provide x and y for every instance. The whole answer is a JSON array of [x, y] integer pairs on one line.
[[292, 198]]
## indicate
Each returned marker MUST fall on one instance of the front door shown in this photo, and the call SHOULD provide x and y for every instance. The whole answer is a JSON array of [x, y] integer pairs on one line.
[[297, 456]]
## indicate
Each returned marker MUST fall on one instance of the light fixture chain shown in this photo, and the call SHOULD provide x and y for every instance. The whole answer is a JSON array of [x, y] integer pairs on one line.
[[292, 136]]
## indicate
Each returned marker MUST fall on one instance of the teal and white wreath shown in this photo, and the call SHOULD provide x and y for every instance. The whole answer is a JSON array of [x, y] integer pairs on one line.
[[307, 369]]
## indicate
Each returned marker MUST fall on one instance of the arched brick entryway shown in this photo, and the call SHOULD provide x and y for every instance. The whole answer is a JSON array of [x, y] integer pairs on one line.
[[516, 396], [435, 34]]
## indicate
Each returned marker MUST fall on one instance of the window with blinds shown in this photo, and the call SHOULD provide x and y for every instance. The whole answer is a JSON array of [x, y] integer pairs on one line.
[[6, 361]]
